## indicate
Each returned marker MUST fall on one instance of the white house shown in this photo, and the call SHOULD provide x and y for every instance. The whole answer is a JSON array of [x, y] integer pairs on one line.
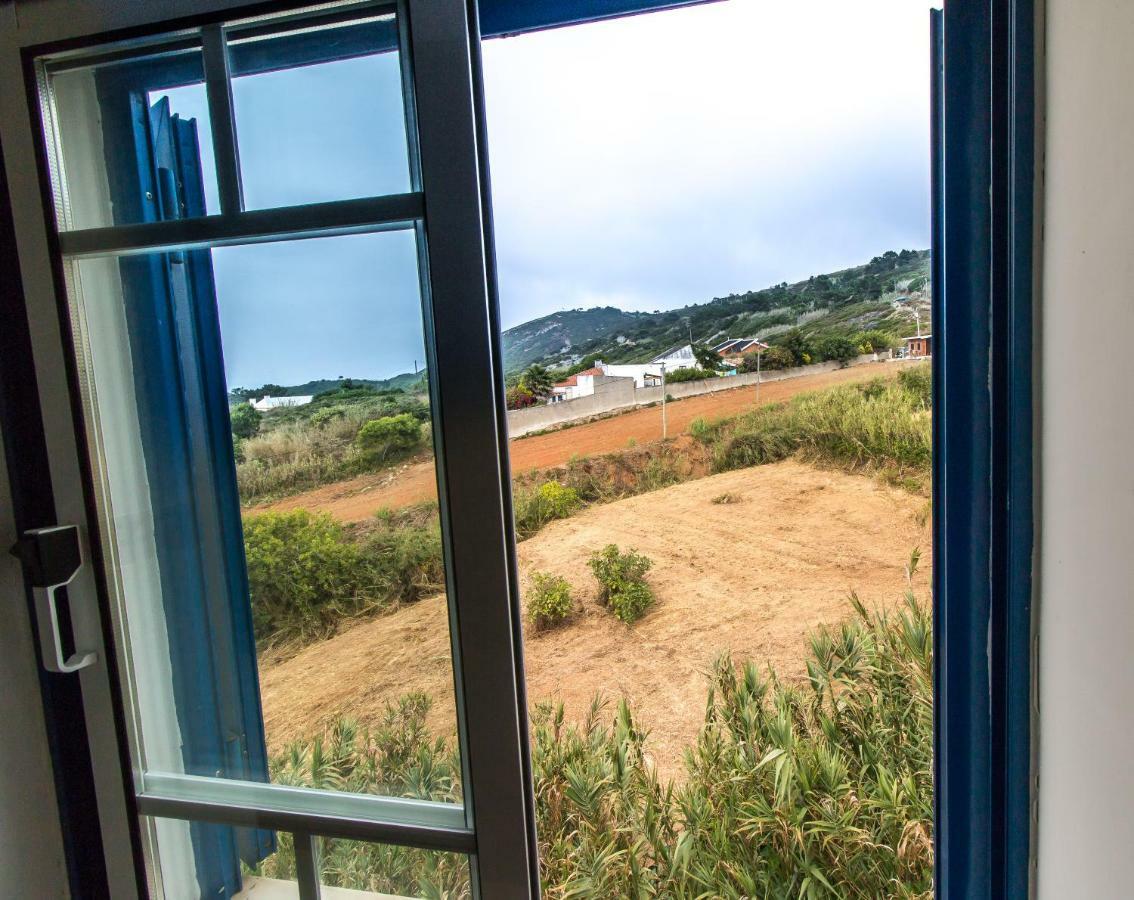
[[266, 403], [676, 358]]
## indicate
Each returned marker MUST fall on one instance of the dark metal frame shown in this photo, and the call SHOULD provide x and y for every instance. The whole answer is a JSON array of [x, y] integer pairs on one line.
[[984, 258]]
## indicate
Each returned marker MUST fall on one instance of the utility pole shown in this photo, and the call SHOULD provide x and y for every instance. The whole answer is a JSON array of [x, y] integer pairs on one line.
[[663, 423], [759, 356]]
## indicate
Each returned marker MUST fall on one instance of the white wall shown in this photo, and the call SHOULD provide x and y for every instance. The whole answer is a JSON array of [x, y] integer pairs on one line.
[[31, 846], [1086, 605]]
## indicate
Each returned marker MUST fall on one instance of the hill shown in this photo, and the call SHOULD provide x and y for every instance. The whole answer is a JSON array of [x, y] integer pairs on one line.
[[554, 336], [836, 303]]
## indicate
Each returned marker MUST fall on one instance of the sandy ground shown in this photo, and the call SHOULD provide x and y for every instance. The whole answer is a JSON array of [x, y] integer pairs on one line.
[[751, 577], [359, 498]]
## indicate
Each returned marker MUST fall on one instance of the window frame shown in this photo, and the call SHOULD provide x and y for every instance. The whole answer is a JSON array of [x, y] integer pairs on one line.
[[987, 192]]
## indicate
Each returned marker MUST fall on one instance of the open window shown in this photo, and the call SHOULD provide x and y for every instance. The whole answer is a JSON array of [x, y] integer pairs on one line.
[[157, 142]]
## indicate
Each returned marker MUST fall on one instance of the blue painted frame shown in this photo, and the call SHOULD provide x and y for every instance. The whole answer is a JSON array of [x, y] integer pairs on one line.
[[984, 178]]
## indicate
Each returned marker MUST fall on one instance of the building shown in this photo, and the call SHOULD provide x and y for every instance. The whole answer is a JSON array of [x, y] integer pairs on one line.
[[676, 358], [919, 347], [733, 350], [264, 404]]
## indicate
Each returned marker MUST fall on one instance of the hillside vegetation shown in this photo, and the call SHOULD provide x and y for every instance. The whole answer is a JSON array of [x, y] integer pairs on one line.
[[836, 304]]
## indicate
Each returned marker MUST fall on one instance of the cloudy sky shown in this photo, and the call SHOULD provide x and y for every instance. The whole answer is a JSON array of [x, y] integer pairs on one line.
[[644, 163]]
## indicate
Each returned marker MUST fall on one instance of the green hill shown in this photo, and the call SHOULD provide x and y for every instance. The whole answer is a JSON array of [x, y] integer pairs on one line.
[[832, 304]]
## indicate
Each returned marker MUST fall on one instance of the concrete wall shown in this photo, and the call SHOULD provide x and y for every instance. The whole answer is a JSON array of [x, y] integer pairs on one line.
[[31, 845], [1086, 567], [613, 394]]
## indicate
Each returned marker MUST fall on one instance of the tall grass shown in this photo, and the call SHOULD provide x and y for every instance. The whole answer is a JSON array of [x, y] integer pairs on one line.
[[821, 789], [880, 425]]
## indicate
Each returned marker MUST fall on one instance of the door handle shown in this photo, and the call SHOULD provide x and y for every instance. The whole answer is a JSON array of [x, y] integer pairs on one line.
[[52, 557]]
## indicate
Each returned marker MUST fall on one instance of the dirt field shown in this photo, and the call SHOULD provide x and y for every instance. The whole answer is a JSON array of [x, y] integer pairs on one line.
[[359, 498], [750, 577]]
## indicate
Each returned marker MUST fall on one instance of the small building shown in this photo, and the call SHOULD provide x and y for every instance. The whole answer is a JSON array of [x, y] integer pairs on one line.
[[581, 384], [919, 347], [733, 350], [676, 358], [264, 404]]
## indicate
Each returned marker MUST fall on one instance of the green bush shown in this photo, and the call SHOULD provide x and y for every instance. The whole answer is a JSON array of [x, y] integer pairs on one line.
[[875, 341], [776, 358], [836, 349], [677, 376], [307, 573], [549, 601], [304, 575], [535, 507], [245, 420], [622, 585], [380, 439]]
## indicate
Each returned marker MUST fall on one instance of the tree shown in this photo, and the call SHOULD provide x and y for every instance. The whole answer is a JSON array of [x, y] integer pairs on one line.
[[245, 420], [798, 345], [777, 358], [518, 397], [837, 349], [706, 358], [536, 380]]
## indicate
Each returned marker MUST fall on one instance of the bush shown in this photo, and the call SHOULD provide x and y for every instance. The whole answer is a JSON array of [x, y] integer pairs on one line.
[[549, 601], [677, 376], [304, 575], [379, 439], [875, 341], [519, 397], [245, 420], [535, 507], [622, 585], [307, 573], [836, 349], [776, 358]]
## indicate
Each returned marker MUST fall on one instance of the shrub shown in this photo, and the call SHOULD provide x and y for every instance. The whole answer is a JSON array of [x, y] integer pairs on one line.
[[549, 601], [837, 349], [875, 341], [677, 376], [304, 575], [776, 358], [535, 507], [798, 345], [519, 397], [622, 585], [245, 420], [382, 438]]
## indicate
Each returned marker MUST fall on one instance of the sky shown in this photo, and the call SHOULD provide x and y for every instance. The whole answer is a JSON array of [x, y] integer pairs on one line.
[[644, 163]]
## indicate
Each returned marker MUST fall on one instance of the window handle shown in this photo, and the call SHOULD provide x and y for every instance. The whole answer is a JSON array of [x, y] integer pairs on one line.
[[52, 557]]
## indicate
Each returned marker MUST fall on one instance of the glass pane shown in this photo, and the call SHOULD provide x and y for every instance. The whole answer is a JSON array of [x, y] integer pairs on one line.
[[386, 870], [319, 111], [132, 141], [198, 859], [720, 443], [263, 423]]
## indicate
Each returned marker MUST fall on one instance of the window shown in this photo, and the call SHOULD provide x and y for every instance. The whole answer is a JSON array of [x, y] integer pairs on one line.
[[198, 280], [131, 226]]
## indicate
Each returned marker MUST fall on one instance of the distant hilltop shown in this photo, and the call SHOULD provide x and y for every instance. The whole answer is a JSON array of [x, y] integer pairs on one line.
[[859, 298]]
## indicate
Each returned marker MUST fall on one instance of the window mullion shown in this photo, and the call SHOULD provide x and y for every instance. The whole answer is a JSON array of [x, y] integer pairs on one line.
[[218, 88]]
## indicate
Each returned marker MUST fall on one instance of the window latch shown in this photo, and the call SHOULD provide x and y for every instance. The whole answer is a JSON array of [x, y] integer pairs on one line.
[[52, 557]]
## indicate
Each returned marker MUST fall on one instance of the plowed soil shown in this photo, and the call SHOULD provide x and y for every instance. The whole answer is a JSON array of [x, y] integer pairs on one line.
[[359, 498], [749, 577]]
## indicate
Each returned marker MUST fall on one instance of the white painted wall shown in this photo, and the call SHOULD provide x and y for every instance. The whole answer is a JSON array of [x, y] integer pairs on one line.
[[31, 846], [1086, 563]]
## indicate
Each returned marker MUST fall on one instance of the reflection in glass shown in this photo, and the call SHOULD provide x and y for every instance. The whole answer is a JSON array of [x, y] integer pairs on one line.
[[319, 126], [132, 141], [263, 420]]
